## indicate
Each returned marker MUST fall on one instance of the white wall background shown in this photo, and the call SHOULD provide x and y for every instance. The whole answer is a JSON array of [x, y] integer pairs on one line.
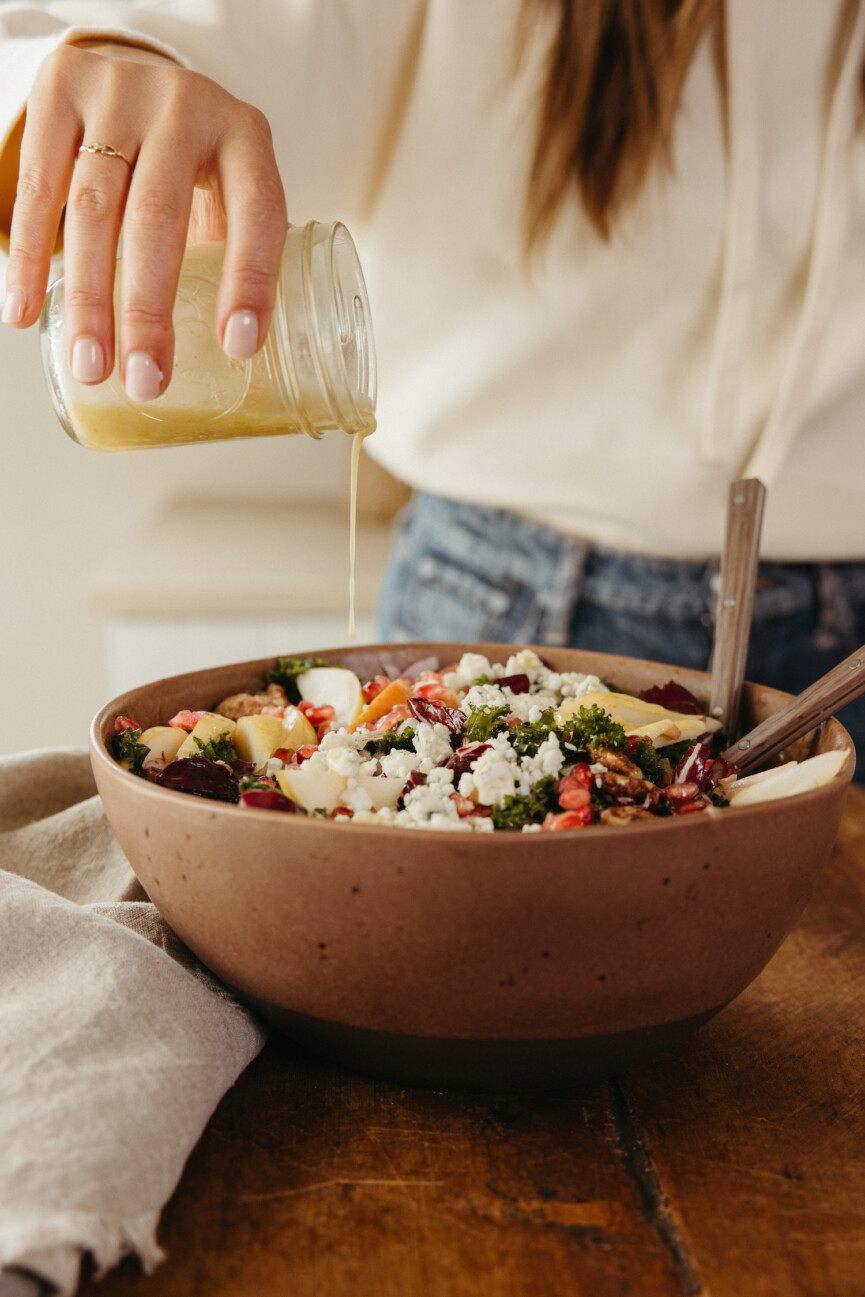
[[76, 530]]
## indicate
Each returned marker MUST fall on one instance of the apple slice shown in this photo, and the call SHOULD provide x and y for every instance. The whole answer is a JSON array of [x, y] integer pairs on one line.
[[335, 687], [314, 790]]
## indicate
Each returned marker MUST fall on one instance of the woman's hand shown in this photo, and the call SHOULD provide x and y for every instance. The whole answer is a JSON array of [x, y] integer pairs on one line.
[[199, 165]]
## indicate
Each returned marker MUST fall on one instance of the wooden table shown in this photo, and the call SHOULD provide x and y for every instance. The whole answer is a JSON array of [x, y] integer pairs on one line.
[[733, 1166]]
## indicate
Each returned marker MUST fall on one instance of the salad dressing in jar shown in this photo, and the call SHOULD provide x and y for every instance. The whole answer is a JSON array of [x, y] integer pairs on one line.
[[315, 373]]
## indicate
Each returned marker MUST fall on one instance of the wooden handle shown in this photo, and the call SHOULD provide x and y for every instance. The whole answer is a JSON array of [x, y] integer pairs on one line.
[[829, 694], [736, 600]]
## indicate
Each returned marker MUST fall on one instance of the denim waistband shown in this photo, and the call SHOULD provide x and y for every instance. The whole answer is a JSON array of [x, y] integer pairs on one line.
[[520, 549]]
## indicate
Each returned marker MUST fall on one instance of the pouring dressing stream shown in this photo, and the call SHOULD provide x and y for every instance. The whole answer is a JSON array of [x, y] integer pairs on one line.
[[315, 373]]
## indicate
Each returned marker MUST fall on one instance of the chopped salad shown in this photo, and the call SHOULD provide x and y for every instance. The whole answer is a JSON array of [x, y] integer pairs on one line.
[[476, 746]]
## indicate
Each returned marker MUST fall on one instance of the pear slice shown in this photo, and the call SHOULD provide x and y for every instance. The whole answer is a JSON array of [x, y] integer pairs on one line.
[[209, 727], [783, 781], [297, 732], [164, 742], [641, 718], [382, 790], [313, 789], [257, 738], [336, 687]]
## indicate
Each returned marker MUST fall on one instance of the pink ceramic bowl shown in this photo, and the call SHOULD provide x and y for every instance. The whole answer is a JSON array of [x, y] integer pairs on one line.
[[497, 961]]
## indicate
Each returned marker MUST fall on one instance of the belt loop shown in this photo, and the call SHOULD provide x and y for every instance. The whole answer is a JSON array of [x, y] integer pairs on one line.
[[711, 587], [560, 600], [835, 627]]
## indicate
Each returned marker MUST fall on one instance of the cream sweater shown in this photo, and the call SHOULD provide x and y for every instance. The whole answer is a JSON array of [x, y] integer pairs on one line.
[[612, 390]]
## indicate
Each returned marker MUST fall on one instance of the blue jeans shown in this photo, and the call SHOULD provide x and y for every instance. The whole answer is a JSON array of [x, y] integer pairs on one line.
[[460, 572]]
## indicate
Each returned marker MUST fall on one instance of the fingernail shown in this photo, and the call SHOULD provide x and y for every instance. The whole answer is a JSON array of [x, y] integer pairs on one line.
[[88, 360], [240, 340], [143, 377], [13, 307]]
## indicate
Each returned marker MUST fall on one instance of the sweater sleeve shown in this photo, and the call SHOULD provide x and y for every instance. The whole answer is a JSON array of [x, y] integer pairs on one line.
[[333, 78]]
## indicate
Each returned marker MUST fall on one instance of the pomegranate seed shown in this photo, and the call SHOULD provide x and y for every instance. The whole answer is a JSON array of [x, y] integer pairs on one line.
[[317, 715], [687, 808], [341, 813], [574, 788], [304, 753], [394, 717], [574, 797], [465, 806], [186, 720], [124, 723], [435, 692], [373, 688], [568, 820]]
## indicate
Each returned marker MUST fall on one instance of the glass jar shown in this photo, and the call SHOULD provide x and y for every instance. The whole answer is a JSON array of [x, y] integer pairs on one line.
[[315, 371]]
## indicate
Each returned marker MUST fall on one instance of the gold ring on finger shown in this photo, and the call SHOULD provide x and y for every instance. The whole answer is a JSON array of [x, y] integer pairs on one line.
[[108, 151]]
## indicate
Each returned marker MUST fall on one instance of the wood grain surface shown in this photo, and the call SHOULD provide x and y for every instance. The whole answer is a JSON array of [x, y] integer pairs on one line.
[[733, 1166]]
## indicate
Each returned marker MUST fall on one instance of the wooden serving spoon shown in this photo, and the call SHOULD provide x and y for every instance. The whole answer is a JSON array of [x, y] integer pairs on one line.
[[840, 686], [736, 600]]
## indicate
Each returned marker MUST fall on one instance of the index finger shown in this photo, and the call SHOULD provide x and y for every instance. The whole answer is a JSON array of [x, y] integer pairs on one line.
[[48, 150]]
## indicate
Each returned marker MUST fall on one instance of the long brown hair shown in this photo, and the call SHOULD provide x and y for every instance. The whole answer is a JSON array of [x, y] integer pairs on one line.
[[614, 76]]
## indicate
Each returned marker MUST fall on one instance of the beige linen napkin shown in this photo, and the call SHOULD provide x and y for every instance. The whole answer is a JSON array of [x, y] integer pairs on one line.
[[115, 1044]]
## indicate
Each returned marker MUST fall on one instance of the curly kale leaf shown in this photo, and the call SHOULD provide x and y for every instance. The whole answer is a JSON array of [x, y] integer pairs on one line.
[[528, 737], [526, 808], [126, 747], [219, 749], [252, 783], [485, 722], [391, 741], [592, 727], [643, 754], [287, 670]]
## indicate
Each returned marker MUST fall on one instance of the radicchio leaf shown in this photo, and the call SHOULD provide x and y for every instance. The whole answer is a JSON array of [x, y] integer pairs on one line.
[[267, 799], [676, 698], [436, 713], [415, 779], [201, 777], [694, 766], [718, 770], [698, 766], [464, 758]]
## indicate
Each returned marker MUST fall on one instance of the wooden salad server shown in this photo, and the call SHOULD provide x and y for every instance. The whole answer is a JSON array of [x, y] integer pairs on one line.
[[738, 578], [840, 686]]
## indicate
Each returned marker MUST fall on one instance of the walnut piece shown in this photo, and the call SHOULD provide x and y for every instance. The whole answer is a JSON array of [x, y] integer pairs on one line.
[[237, 705]]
